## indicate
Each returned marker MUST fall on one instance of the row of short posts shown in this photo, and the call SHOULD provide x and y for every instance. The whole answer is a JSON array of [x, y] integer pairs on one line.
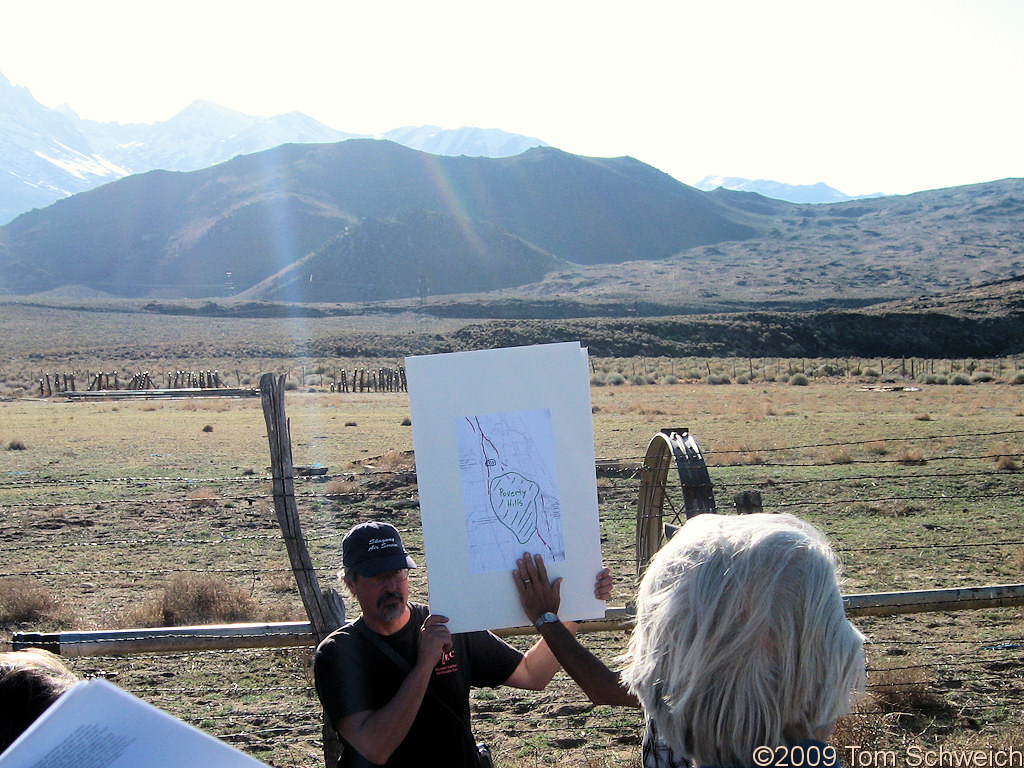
[[141, 381], [194, 380], [371, 380], [103, 381], [60, 382], [65, 382]]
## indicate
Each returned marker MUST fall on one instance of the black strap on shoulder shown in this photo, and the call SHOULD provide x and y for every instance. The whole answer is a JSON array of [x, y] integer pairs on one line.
[[393, 655]]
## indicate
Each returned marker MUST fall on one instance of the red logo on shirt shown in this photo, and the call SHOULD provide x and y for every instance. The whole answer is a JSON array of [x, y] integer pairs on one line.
[[447, 665]]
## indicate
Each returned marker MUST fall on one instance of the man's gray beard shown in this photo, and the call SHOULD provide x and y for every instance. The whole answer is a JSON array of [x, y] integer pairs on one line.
[[391, 612]]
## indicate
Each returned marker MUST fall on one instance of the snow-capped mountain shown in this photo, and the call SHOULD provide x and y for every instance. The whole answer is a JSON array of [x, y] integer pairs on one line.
[[202, 135], [48, 154], [43, 154], [472, 142], [792, 193]]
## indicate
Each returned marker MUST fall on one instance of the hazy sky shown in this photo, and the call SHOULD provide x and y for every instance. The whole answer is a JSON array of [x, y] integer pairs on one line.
[[873, 95]]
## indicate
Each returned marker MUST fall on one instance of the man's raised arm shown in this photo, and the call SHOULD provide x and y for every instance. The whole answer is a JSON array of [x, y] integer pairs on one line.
[[541, 598]]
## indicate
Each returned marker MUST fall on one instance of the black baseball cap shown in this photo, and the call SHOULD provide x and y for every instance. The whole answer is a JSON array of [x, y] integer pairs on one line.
[[374, 548]]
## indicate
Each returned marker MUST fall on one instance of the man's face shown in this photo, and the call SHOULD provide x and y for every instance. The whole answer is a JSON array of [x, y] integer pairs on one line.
[[383, 596]]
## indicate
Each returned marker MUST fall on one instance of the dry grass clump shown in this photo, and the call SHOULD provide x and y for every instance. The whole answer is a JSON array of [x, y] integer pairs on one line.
[[1017, 558], [25, 600], [1004, 454], [643, 409], [190, 599], [908, 695], [283, 583], [341, 488], [394, 461], [838, 455], [203, 497], [15, 445], [912, 458], [923, 417], [739, 456], [876, 448], [1007, 464], [204, 404]]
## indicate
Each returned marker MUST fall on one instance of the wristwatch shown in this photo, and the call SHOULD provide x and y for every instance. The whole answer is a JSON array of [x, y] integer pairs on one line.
[[546, 618]]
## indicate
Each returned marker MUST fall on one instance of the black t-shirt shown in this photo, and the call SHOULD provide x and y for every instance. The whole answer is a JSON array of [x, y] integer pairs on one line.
[[352, 675]]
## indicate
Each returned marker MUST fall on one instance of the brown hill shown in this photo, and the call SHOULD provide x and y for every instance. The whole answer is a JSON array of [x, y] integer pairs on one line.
[[229, 227], [416, 254]]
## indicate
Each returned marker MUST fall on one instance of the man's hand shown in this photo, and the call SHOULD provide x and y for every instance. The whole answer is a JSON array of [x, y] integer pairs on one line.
[[536, 593], [435, 640], [603, 585], [539, 596]]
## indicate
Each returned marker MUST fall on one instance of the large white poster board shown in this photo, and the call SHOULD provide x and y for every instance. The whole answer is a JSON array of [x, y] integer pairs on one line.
[[504, 443]]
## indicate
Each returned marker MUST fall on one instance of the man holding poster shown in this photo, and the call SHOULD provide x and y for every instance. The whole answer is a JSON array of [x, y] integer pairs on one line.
[[395, 683]]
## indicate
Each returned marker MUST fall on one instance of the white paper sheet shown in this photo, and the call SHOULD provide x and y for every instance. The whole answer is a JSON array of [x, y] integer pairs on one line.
[[504, 443], [97, 725]]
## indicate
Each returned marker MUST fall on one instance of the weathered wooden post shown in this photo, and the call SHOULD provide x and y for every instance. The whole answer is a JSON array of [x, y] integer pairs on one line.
[[326, 611], [748, 502]]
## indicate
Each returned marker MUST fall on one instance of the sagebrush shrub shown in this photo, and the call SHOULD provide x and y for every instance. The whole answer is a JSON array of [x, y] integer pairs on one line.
[[192, 598], [23, 599]]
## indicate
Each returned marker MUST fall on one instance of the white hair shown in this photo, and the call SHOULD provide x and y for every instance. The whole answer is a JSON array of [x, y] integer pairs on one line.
[[741, 639]]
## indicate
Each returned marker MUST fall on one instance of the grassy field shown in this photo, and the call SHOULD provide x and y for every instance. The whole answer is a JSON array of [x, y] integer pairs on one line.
[[111, 509]]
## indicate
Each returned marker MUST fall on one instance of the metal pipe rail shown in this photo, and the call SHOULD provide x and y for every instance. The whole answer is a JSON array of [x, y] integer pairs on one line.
[[300, 634]]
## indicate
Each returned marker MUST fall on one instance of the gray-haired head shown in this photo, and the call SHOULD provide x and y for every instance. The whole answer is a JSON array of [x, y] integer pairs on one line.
[[741, 638]]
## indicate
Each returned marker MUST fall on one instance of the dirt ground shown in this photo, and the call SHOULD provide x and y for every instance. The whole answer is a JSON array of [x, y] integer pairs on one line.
[[104, 504]]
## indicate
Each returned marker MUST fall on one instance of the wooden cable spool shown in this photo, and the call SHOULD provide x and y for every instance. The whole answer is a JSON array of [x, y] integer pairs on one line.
[[698, 495]]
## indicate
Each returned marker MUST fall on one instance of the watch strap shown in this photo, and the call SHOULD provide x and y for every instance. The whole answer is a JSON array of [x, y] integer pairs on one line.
[[546, 618]]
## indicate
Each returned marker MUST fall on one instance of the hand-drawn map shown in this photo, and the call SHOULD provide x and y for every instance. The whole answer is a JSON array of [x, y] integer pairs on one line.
[[510, 488]]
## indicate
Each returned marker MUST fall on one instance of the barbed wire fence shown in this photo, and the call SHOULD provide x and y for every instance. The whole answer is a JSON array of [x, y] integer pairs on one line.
[[945, 514]]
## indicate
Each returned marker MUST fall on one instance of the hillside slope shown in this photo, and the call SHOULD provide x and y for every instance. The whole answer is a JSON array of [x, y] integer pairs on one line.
[[198, 234], [417, 254]]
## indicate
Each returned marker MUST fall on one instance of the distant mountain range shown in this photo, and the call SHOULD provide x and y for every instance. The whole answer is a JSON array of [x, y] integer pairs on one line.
[[539, 234], [793, 193], [359, 220], [48, 154]]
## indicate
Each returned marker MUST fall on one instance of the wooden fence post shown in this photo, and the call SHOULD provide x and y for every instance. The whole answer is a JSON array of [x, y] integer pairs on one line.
[[747, 502], [326, 611]]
